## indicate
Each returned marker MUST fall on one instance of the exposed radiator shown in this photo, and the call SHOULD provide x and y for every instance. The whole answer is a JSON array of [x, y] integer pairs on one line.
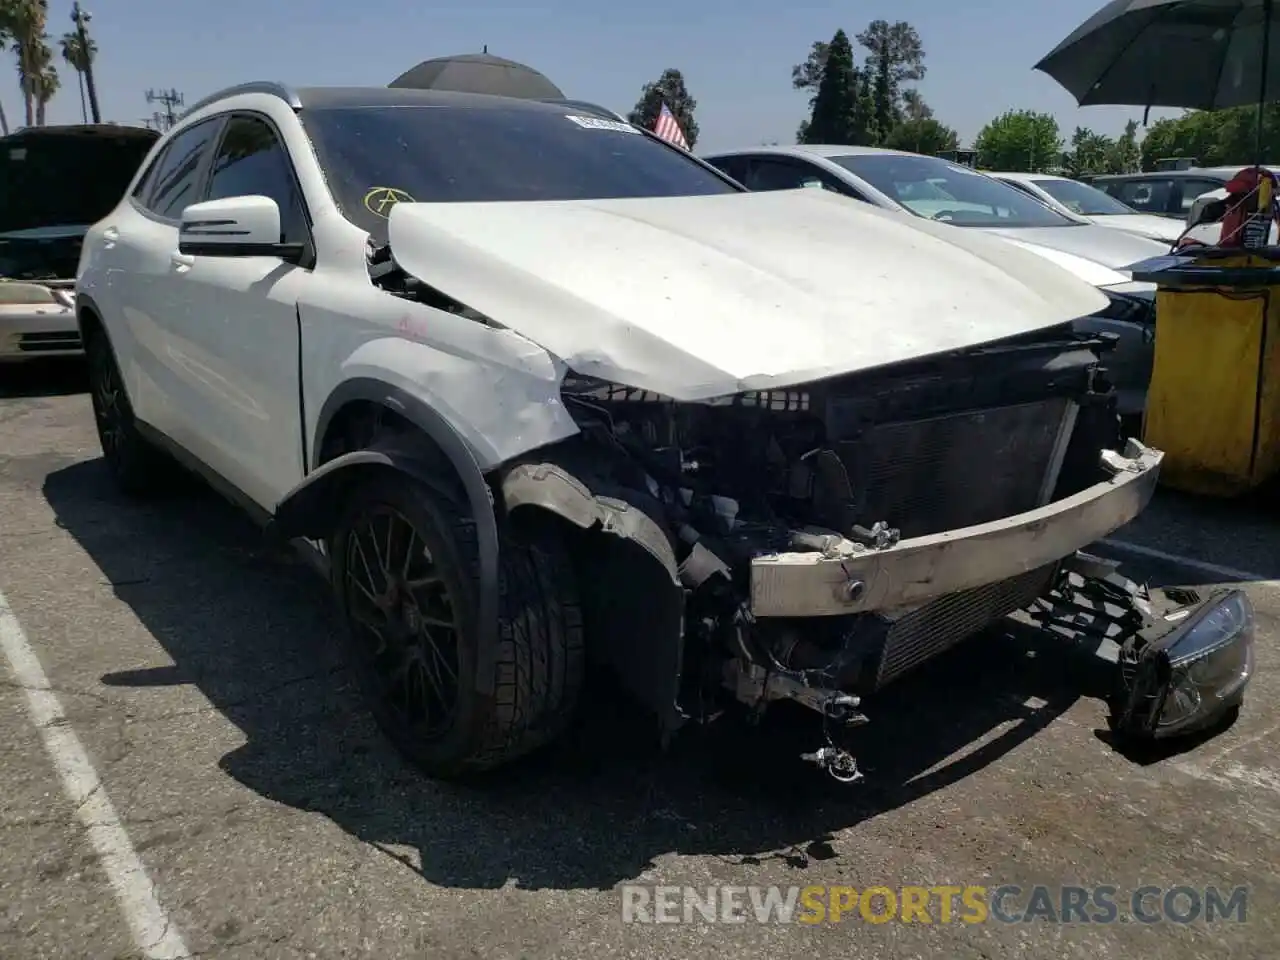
[[950, 471], [929, 630]]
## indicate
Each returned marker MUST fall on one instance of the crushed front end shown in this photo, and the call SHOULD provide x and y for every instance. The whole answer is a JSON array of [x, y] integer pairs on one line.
[[821, 542]]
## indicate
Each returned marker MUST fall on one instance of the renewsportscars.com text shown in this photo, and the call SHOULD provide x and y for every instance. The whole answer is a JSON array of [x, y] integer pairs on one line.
[[1006, 903]]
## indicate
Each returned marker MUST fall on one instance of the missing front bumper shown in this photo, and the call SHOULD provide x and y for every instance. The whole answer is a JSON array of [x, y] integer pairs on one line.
[[848, 577]]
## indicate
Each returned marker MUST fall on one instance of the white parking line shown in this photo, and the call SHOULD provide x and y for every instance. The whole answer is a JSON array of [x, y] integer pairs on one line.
[[1191, 563], [155, 935]]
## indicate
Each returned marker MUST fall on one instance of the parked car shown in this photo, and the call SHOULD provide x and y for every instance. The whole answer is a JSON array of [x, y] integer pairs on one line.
[[533, 386], [1164, 193], [54, 183], [936, 189], [1071, 198], [1208, 230]]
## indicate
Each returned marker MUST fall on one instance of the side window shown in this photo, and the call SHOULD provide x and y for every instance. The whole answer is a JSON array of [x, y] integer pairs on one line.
[[1148, 196], [251, 161], [732, 166], [148, 179], [177, 174], [1192, 189], [777, 174]]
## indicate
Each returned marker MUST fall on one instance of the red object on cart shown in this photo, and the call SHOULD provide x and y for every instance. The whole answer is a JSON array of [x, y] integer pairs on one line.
[[1242, 206]]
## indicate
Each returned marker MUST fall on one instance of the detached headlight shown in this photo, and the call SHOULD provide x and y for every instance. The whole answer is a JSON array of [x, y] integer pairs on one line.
[[1209, 663], [1190, 676]]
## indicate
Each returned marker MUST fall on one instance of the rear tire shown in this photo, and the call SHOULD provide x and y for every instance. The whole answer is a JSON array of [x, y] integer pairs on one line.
[[139, 468], [405, 568]]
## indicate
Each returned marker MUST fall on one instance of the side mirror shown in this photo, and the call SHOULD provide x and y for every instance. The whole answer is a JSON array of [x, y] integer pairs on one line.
[[235, 227], [1206, 210]]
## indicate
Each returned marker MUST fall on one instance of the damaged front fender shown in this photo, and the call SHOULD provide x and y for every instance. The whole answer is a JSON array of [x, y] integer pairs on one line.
[[633, 602]]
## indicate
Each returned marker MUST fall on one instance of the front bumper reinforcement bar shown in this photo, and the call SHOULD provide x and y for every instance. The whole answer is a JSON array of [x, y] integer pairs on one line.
[[848, 577]]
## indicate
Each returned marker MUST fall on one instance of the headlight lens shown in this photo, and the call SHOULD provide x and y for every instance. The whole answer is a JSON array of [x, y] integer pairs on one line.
[[1209, 661]]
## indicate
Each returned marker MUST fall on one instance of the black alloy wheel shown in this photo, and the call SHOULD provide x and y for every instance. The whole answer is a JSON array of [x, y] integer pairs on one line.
[[406, 622]]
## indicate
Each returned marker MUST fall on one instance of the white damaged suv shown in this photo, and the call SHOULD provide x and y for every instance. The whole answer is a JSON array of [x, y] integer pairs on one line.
[[536, 388]]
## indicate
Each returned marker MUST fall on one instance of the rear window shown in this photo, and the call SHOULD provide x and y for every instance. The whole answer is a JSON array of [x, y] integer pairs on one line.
[[374, 157], [65, 179]]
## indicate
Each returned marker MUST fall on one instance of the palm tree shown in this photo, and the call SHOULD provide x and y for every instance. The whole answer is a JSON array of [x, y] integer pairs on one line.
[[79, 56], [26, 21], [6, 37], [46, 81]]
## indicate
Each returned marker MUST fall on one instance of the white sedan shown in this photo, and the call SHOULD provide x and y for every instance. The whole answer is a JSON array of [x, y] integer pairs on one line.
[[1075, 199]]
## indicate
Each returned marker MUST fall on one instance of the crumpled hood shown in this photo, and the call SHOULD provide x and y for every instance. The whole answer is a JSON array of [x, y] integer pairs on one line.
[[696, 297], [1114, 249]]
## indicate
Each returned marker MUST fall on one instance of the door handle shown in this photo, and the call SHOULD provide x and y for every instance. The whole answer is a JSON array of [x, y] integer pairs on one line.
[[110, 236], [181, 261]]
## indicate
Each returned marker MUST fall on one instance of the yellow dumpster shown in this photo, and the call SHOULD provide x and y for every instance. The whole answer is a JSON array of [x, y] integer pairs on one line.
[[1213, 405]]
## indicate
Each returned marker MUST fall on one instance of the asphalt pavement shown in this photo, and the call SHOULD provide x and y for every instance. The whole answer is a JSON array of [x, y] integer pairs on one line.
[[187, 770]]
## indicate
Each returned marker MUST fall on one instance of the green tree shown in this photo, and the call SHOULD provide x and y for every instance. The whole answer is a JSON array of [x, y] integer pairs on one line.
[[24, 21], [1019, 140], [914, 107], [1125, 156], [7, 10], [839, 112], [45, 80], [895, 55], [79, 56], [669, 89], [927, 136], [1090, 152], [1213, 138], [808, 75]]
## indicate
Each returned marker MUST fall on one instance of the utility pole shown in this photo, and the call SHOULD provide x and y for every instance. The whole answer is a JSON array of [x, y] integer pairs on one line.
[[168, 99], [81, 17]]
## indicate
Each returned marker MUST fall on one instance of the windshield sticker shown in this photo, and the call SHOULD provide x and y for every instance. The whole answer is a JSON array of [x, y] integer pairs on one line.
[[380, 200], [595, 123]]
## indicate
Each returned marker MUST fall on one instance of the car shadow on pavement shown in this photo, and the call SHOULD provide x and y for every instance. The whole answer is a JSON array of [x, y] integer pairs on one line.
[[43, 378], [254, 633]]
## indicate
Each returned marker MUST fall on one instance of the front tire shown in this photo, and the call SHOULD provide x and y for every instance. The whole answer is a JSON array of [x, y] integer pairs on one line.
[[405, 570], [139, 468]]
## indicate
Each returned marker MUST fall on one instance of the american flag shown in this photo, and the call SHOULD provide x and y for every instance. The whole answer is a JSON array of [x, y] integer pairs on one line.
[[668, 128]]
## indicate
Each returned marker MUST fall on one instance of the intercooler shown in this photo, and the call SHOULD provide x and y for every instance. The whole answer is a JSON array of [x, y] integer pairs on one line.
[[928, 630], [950, 471], [958, 469]]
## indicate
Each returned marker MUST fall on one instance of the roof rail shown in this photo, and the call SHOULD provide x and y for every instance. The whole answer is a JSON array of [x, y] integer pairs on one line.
[[269, 87]]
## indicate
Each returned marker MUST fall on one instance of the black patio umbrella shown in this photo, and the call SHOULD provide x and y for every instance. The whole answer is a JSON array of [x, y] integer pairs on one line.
[[479, 73], [1198, 54]]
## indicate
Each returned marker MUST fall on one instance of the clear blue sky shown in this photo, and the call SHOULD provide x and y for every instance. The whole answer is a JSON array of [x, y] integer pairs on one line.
[[736, 57]]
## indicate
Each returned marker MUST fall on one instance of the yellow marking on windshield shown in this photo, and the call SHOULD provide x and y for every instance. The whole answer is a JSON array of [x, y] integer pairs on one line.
[[380, 200]]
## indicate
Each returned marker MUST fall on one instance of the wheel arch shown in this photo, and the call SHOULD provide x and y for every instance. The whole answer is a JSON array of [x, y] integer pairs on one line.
[[432, 453], [88, 315], [617, 537]]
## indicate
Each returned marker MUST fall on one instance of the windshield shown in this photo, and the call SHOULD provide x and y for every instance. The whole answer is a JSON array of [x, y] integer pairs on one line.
[[940, 190], [374, 157], [1081, 198]]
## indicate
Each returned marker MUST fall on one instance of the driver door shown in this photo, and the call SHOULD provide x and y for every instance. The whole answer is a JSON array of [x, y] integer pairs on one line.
[[238, 335]]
